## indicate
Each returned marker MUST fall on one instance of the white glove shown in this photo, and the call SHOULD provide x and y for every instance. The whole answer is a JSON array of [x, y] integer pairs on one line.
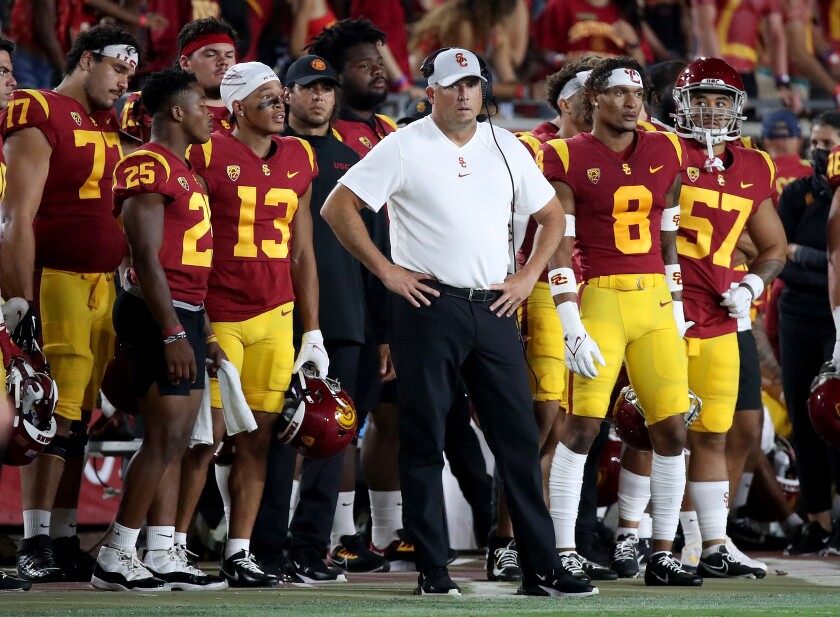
[[13, 311], [738, 300], [679, 317], [312, 350], [581, 350]]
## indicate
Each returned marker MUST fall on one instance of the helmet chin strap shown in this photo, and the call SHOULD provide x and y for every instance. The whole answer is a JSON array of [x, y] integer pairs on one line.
[[713, 163]]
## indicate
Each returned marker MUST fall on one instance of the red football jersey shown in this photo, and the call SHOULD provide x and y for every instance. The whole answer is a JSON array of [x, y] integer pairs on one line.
[[2, 171], [545, 131], [619, 198], [829, 11], [833, 169], [74, 228], [361, 136], [253, 202], [221, 118], [788, 169], [714, 208], [162, 45], [577, 28], [187, 250], [738, 25]]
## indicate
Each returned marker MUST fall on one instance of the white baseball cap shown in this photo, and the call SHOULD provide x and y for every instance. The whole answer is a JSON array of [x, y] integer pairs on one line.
[[242, 79], [454, 64]]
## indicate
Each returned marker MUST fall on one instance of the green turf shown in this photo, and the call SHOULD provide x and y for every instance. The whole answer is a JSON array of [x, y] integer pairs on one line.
[[771, 597]]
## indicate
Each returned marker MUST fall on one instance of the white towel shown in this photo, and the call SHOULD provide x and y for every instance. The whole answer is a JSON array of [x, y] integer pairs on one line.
[[202, 433], [238, 416]]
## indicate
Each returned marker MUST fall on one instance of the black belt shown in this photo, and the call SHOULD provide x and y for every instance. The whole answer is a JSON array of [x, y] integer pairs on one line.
[[473, 295]]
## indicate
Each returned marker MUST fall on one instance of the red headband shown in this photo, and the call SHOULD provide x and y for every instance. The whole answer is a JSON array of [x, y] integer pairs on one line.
[[205, 40]]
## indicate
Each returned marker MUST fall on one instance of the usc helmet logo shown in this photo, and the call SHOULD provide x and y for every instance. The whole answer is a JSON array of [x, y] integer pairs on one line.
[[461, 60]]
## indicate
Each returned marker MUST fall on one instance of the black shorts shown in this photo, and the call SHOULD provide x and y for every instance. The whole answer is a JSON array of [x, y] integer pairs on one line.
[[140, 335], [749, 381]]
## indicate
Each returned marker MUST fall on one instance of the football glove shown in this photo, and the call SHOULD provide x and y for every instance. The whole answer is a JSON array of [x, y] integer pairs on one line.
[[312, 350], [581, 350], [28, 331], [679, 317], [738, 300]]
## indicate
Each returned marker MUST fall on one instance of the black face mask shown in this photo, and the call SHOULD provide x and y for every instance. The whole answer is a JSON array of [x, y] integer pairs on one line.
[[819, 161]]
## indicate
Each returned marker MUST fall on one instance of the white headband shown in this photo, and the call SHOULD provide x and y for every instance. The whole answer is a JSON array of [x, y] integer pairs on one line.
[[242, 79], [625, 77], [574, 85], [125, 53]]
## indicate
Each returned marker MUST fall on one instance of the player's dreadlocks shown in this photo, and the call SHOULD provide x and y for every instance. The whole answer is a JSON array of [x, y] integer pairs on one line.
[[600, 76], [332, 43]]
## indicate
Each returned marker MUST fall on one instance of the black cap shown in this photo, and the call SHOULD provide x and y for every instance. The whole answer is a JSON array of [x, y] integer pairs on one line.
[[419, 108], [307, 69]]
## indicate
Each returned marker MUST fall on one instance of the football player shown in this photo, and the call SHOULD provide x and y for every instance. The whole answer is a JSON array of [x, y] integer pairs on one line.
[[617, 182], [725, 189], [161, 323], [207, 48], [55, 214], [263, 266]]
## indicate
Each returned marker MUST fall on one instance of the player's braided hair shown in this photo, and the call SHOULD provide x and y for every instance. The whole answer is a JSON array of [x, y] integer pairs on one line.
[[828, 118], [332, 43], [98, 37], [162, 88], [598, 79], [200, 27], [558, 80], [7, 45]]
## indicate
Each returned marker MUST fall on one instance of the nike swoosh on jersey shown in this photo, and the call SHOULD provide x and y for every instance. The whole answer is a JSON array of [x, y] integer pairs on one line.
[[284, 313], [745, 186], [290, 174], [653, 170], [665, 303], [464, 175]]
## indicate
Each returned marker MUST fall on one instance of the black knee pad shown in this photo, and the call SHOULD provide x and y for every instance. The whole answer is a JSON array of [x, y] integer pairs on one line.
[[77, 440], [57, 447]]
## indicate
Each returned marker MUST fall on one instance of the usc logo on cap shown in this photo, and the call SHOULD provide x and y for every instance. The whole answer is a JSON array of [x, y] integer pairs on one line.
[[319, 65], [461, 60]]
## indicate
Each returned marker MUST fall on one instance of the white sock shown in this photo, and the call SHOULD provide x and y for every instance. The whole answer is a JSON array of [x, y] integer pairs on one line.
[[123, 538], [385, 517], [711, 502], [36, 523], [711, 550], [645, 526], [160, 537], [626, 531], [564, 485], [295, 499], [222, 477], [234, 545], [667, 485], [691, 529], [633, 495], [63, 523], [743, 490], [343, 522], [180, 538]]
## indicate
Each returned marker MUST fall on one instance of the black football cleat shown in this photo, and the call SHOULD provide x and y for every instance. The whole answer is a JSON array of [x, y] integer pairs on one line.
[[36, 561], [664, 569]]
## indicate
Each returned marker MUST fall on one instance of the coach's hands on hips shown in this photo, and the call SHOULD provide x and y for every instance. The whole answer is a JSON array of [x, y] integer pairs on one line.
[[312, 350], [408, 284], [515, 290], [581, 350], [180, 361]]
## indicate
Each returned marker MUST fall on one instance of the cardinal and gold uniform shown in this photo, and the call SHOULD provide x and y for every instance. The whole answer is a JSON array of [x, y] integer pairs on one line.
[[625, 304], [250, 300], [714, 208], [78, 244], [186, 254]]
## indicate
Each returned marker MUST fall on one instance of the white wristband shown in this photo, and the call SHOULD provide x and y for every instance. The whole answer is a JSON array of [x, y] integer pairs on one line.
[[754, 284], [671, 219], [570, 317], [673, 277], [570, 226], [562, 281]]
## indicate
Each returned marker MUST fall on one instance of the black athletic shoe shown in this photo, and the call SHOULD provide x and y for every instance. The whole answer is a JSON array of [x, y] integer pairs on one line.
[[76, 564], [353, 555], [36, 561], [664, 569], [724, 564], [310, 568], [240, 570], [746, 533], [596, 572], [436, 583], [400, 553], [10, 583], [625, 558], [814, 540], [644, 549], [118, 570], [556, 583], [174, 567], [280, 567], [571, 564], [833, 547], [503, 560]]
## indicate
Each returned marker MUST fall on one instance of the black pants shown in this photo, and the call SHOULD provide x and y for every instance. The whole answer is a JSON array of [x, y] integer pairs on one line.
[[804, 344], [433, 347], [319, 482]]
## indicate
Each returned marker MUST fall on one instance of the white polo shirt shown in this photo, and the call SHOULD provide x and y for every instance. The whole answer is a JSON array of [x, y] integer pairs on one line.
[[449, 206]]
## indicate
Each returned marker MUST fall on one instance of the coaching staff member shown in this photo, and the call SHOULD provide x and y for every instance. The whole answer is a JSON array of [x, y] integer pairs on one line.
[[448, 191]]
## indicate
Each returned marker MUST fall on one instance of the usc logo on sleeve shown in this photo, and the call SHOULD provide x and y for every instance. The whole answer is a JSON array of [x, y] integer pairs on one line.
[[559, 279]]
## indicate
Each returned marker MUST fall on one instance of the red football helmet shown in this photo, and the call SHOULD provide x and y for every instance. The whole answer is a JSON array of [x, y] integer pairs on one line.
[[116, 385], [709, 123], [609, 470], [783, 460], [319, 418], [630, 423], [135, 121], [824, 405], [34, 395]]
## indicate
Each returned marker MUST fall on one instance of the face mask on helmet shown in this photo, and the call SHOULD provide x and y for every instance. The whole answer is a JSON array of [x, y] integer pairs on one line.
[[318, 418], [708, 124], [630, 423]]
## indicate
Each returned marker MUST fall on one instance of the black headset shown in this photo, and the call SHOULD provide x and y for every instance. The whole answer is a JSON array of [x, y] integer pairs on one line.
[[428, 67]]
